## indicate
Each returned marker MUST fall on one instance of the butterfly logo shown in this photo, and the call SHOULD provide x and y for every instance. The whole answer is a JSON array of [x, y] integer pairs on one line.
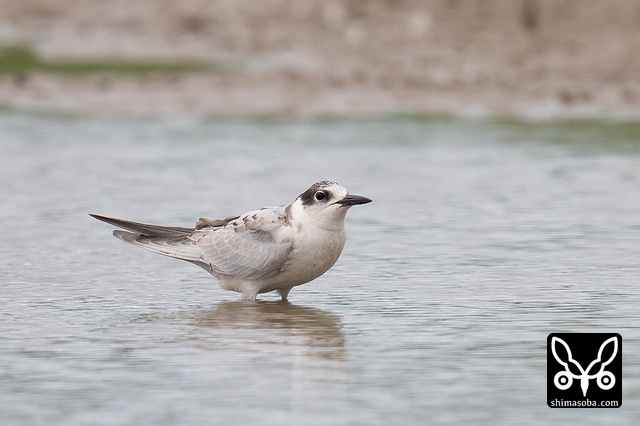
[[564, 379]]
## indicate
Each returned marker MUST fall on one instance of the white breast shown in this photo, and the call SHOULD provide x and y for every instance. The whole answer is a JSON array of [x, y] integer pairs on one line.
[[315, 252]]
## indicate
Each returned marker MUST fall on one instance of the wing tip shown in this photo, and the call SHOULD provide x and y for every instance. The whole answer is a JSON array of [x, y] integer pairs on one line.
[[106, 219]]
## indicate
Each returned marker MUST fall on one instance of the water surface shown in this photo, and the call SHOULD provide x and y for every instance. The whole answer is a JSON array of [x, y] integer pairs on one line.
[[483, 238]]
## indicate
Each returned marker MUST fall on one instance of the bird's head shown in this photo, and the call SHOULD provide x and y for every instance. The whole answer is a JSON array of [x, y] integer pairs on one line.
[[325, 204]]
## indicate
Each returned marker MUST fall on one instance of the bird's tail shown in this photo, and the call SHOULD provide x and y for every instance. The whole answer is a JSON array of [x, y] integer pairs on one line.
[[172, 241]]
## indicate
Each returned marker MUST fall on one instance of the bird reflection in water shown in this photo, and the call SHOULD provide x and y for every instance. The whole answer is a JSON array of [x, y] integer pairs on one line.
[[280, 323]]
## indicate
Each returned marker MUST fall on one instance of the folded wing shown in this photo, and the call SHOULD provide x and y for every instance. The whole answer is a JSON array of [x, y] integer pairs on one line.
[[249, 247]]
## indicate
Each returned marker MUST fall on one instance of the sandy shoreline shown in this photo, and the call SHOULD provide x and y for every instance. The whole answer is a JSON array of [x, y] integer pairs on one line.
[[535, 58]]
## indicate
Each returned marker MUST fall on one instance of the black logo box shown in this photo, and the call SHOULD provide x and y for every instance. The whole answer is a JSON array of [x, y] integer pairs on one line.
[[591, 375]]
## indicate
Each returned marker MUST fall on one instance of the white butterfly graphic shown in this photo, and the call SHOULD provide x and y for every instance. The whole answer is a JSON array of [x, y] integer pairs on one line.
[[564, 379]]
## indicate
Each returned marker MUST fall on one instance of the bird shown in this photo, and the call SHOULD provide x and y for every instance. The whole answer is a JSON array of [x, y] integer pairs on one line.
[[264, 250]]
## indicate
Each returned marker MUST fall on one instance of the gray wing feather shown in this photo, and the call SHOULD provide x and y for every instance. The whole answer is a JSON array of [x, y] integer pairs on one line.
[[145, 228], [203, 222], [246, 247]]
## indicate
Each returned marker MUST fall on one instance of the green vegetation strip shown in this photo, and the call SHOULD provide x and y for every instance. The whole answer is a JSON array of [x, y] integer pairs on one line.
[[21, 59]]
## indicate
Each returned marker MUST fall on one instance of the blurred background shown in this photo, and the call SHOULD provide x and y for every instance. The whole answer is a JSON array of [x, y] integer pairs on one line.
[[294, 57], [498, 139]]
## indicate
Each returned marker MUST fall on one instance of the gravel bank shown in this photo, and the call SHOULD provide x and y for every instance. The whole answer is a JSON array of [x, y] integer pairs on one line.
[[540, 58]]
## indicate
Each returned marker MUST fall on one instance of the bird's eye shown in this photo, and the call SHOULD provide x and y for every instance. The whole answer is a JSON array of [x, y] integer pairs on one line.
[[320, 195]]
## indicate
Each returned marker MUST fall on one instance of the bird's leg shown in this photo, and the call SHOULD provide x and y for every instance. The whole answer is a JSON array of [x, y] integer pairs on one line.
[[249, 291], [284, 292], [249, 296]]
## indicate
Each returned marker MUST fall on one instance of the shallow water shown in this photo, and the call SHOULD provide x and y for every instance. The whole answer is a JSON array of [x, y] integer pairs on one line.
[[483, 238]]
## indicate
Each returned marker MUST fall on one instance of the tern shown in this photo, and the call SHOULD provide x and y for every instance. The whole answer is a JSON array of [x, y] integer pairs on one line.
[[270, 249]]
